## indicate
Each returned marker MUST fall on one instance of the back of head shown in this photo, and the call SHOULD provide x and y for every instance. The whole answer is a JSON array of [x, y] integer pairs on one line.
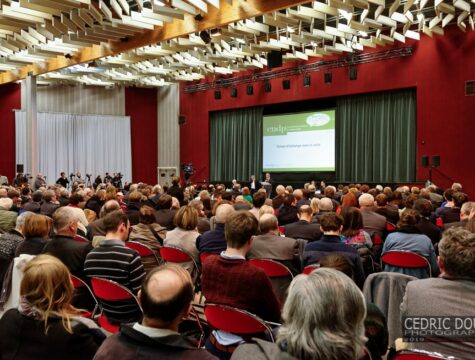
[[289, 200], [329, 191], [352, 221], [315, 205], [135, 196], [176, 180], [37, 196], [20, 220], [424, 207], [222, 212], [350, 200], [467, 208], [165, 202], [186, 218], [381, 200], [298, 193], [459, 199], [239, 228], [166, 294], [331, 222], [280, 190], [37, 226], [326, 204], [337, 262], [409, 218], [146, 215], [258, 199], [457, 253], [108, 207], [48, 195], [46, 286], [62, 217], [366, 200], [267, 223], [265, 209], [457, 186], [318, 327], [6, 203], [113, 220], [305, 211]]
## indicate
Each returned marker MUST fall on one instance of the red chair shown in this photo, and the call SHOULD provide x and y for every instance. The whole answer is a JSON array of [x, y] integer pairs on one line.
[[176, 255], [81, 284], [271, 267], [390, 227], [282, 230], [418, 355], [143, 250], [80, 238], [109, 290], [308, 269], [235, 321], [405, 259]]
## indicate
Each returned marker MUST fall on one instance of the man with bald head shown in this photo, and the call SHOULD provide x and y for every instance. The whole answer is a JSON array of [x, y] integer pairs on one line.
[[214, 241], [372, 222], [165, 297]]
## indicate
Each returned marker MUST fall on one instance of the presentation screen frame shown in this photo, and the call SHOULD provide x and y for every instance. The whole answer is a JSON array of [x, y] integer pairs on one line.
[[305, 121]]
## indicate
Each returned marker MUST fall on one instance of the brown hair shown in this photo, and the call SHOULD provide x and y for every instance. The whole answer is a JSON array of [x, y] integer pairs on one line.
[[165, 202], [37, 226], [409, 217], [239, 228], [337, 262], [146, 215], [350, 200], [186, 218], [135, 196], [331, 222]]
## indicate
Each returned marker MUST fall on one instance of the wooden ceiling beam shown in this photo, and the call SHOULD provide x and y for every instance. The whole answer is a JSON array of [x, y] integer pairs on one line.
[[226, 14]]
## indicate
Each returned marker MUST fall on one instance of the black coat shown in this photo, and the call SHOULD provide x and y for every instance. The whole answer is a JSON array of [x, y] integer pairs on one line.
[[303, 230]]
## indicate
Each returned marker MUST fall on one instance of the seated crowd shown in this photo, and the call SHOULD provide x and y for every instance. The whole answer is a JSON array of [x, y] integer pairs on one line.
[[308, 263]]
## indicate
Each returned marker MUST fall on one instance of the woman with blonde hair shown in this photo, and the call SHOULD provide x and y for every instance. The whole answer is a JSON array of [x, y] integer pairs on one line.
[[45, 325], [185, 233]]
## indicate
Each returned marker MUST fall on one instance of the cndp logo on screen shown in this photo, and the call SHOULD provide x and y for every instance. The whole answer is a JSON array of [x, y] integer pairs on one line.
[[276, 129]]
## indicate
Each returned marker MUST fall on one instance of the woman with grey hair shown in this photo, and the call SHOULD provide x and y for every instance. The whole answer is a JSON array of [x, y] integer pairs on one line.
[[315, 325]]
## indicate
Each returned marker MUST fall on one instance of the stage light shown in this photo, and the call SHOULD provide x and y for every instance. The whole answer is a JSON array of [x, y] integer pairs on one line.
[[217, 94], [286, 84], [249, 90], [306, 80], [353, 73], [327, 78], [205, 36], [267, 86], [233, 92]]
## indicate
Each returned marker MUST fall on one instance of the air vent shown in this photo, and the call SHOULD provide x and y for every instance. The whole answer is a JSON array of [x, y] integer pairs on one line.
[[470, 87]]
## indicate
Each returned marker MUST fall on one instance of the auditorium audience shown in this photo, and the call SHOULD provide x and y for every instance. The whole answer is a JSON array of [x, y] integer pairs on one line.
[[373, 223], [287, 212], [325, 206], [96, 228], [165, 297], [214, 241], [45, 325], [450, 294], [7, 217], [330, 243], [203, 222], [34, 205], [425, 225], [409, 238], [175, 190], [114, 261], [184, 235], [465, 211], [229, 279], [353, 233], [165, 213], [270, 245], [304, 228], [258, 199], [315, 325], [37, 232], [148, 231], [132, 209], [10, 240], [388, 211], [278, 200], [96, 201]]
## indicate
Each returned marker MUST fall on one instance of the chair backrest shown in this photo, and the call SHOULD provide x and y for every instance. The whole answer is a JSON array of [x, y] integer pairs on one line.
[[418, 355], [105, 289], [78, 283], [142, 249], [405, 259], [80, 238], [271, 267], [235, 321], [390, 226], [308, 269], [174, 254]]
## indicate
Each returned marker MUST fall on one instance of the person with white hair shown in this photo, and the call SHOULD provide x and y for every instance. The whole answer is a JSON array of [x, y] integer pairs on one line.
[[280, 197], [214, 241], [325, 205], [9, 241], [315, 325], [372, 221], [7, 217]]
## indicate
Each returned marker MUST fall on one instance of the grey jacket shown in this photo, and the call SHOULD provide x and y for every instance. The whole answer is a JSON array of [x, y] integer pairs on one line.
[[261, 350]]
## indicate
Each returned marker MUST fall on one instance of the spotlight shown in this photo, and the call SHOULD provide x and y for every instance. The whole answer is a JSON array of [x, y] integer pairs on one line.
[[353, 73], [286, 84], [198, 17], [217, 94], [306, 80], [68, 56], [233, 92], [327, 78], [249, 90], [267, 86], [205, 36], [92, 64]]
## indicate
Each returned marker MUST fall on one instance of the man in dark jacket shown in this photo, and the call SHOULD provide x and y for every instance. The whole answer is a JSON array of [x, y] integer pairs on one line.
[[165, 297], [304, 228], [214, 241]]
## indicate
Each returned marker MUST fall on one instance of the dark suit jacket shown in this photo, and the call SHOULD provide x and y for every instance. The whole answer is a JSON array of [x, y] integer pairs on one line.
[[391, 216], [165, 218], [303, 230], [71, 253], [428, 228], [176, 191], [373, 222]]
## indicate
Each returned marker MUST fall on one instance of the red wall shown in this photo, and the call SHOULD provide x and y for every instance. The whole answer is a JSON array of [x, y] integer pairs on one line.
[[141, 106], [438, 69], [10, 98]]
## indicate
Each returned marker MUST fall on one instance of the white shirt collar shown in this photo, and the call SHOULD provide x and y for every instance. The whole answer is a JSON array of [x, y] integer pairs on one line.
[[153, 332]]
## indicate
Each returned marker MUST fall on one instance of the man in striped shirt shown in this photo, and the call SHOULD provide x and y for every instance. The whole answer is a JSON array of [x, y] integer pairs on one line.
[[112, 260]]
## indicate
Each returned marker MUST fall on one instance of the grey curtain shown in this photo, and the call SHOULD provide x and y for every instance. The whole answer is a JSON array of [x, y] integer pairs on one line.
[[376, 137], [236, 144]]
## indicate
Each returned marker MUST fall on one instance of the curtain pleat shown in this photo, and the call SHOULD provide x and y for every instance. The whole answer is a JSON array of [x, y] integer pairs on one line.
[[236, 144], [376, 137], [92, 144]]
